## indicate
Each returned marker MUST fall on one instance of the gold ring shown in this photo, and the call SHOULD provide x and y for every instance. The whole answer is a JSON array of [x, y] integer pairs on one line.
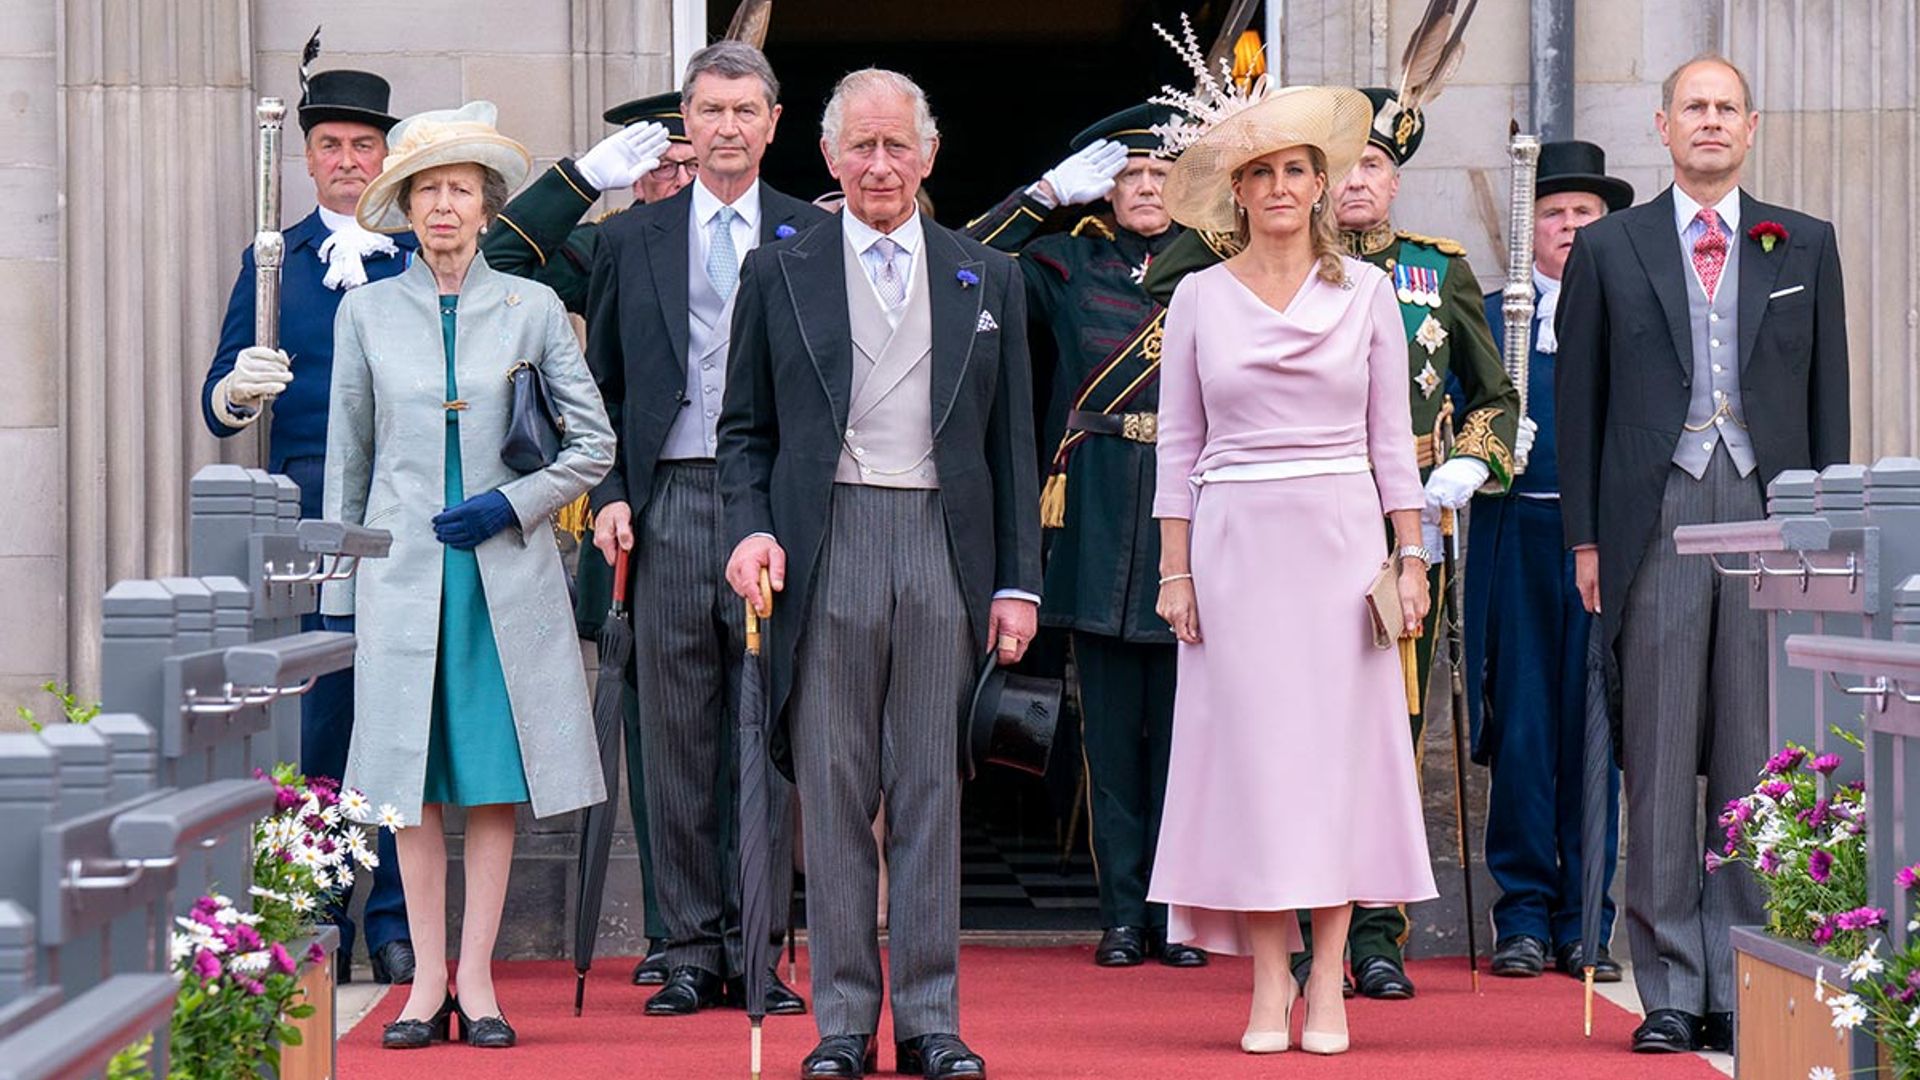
[[1008, 641]]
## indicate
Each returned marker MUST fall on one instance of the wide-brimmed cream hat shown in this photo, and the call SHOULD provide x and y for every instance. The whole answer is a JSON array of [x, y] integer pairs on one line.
[[1199, 191], [430, 139]]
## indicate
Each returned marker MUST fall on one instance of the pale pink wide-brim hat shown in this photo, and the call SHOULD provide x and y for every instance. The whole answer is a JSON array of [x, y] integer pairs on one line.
[[428, 140], [1199, 191]]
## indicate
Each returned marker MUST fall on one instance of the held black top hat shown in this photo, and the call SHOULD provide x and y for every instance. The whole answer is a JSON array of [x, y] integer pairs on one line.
[[360, 97], [662, 109], [1580, 166], [1011, 721]]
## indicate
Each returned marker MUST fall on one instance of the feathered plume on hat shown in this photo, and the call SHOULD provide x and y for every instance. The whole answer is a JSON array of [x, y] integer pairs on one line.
[[307, 56], [1213, 98], [1433, 55]]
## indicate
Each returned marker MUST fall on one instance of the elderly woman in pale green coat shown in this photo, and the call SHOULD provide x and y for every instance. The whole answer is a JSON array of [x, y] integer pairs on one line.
[[468, 683]]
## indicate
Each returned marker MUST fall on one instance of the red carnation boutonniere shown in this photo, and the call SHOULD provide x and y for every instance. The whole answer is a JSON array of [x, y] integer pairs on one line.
[[1768, 233]]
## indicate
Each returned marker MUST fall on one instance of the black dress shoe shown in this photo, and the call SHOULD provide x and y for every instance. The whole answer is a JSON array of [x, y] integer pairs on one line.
[[1569, 960], [1304, 967], [651, 971], [938, 1057], [1173, 953], [1521, 957], [841, 1057], [689, 989], [781, 1000], [1716, 1032], [485, 1032], [393, 962], [417, 1034], [1667, 1031], [1121, 946], [1382, 978]]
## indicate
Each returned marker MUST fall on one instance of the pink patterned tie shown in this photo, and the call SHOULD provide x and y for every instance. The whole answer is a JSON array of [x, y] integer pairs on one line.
[[1709, 252]]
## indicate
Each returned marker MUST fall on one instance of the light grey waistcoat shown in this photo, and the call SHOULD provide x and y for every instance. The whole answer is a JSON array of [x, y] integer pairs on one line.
[[709, 324], [1716, 370], [889, 436]]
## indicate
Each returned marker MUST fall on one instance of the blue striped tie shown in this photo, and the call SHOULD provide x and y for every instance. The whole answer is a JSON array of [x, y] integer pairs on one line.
[[723, 263]]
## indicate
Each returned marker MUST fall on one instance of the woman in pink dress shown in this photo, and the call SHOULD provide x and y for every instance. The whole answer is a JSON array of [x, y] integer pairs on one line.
[[1284, 436]]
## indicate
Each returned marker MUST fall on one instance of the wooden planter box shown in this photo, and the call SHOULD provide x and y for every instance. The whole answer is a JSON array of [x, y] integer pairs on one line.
[[313, 1058], [1780, 1031]]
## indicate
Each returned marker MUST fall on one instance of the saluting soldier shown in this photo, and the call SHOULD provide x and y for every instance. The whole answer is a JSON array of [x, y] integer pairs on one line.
[[1447, 335], [1104, 549], [539, 235]]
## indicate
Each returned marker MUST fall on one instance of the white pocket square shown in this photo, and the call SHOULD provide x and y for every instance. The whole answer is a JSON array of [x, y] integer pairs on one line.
[[986, 323], [1786, 292]]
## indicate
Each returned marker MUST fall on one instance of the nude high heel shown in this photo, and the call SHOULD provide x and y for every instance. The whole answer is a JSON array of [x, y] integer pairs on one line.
[[1274, 1042], [1322, 1042]]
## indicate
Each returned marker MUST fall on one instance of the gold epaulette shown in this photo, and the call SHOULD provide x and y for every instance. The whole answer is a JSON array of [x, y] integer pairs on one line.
[[616, 210], [1223, 244], [1439, 243], [1095, 224]]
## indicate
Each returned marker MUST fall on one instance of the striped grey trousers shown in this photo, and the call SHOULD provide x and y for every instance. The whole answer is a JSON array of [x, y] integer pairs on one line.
[[884, 668], [689, 637], [1693, 660]]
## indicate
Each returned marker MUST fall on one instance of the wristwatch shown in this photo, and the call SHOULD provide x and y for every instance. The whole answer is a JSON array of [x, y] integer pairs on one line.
[[1416, 551]]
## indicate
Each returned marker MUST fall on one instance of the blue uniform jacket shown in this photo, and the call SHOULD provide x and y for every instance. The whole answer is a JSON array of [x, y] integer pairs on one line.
[[306, 333]]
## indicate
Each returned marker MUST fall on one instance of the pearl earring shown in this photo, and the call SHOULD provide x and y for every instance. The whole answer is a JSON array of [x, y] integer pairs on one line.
[[1316, 206], [483, 228]]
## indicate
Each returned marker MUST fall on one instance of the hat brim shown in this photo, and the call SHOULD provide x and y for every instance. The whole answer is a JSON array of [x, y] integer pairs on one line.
[[1334, 119], [379, 209], [1616, 193], [323, 114]]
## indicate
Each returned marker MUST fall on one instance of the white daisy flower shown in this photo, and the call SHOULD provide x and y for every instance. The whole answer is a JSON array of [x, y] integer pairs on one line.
[[1820, 984], [1867, 963], [251, 963], [1820, 1072], [1848, 1012], [322, 880], [355, 806], [390, 818]]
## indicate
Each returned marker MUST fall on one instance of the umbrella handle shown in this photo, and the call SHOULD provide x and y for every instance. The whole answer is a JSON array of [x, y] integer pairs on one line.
[[754, 615], [620, 565]]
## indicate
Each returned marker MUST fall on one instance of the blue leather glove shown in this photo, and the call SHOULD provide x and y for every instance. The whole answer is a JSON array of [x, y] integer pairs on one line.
[[474, 521], [339, 624]]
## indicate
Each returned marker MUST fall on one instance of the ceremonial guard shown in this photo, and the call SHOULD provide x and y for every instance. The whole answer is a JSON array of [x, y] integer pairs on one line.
[[1526, 631], [1440, 303], [344, 120], [1103, 551], [540, 235]]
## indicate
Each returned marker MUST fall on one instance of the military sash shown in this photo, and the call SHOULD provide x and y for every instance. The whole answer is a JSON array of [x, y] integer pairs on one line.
[[1107, 390]]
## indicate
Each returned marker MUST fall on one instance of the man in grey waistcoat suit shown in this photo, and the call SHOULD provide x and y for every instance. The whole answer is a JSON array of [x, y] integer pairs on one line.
[[877, 457], [659, 305], [1703, 349]]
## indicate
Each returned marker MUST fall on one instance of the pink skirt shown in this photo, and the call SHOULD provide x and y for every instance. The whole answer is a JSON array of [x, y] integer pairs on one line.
[[1292, 781]]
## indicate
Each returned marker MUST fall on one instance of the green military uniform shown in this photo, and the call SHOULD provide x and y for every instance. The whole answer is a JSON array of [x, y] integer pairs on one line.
[[539, 235], [1447, 335]]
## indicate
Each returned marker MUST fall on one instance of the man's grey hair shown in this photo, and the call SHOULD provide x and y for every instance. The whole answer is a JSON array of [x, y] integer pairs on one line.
[[731, 60], [877, 81], [1672, 81]]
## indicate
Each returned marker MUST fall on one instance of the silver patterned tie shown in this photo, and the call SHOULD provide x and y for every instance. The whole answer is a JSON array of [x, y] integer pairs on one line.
[[723, 263], [886, 273]]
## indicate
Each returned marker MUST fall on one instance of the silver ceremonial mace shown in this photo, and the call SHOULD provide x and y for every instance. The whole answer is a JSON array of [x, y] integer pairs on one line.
[[1516, 299], [269, 247]]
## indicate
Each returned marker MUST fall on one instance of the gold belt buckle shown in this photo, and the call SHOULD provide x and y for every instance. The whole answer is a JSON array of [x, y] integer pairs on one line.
[[456, 405], [1140, 427]]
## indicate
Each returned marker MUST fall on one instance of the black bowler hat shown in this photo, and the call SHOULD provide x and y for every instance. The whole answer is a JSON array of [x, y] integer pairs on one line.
[[1394, 129], [358, 97], [1130, 127], [1579, 166], [662, 109], [1011, 721]]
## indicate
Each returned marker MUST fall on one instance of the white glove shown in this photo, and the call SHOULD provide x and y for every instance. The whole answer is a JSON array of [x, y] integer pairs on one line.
[[1086, 176], [1523, 444], [258, 376], [622, 158], [1454, 481], [1430, 531]]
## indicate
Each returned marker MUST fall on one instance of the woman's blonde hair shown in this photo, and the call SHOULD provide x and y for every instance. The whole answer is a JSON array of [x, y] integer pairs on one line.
[[1322, 231]]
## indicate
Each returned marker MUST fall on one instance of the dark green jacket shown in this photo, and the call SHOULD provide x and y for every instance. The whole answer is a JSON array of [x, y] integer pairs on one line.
[[539, 234]]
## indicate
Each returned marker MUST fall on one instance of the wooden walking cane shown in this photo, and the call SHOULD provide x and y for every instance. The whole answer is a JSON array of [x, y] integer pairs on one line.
[[1451, 618]]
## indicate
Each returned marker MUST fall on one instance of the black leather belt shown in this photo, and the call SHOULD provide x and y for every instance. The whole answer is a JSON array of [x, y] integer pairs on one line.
[[1141, 427]]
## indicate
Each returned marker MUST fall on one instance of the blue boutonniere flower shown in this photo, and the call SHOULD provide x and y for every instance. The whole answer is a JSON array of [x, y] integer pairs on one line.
[[967, 279], [781, 232]]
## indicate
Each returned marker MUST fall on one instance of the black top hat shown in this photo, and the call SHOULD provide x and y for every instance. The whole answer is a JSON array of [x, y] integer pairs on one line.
[[1579, 166], [359, 97], [1130, 127], [662, 109], [1405, 129], [1011, 721]]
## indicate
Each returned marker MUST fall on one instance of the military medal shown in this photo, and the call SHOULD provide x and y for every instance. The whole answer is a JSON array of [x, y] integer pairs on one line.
[[1428, 380], [1431, 335], [1433, 289], [1403, 283]]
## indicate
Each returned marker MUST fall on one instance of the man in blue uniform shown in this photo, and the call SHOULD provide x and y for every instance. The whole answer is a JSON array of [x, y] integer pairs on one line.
[[343, 115], [1527, 631]]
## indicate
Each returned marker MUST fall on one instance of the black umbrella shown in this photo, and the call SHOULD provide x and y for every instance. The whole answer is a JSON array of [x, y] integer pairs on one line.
[[596, 825], [1597, 759], [1453, 620], [756, 834]]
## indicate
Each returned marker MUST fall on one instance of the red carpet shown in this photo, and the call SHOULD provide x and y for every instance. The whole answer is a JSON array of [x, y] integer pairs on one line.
[[1049, 1013]]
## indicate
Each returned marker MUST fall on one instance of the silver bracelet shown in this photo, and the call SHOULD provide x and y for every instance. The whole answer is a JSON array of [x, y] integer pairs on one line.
[[1171, 578]]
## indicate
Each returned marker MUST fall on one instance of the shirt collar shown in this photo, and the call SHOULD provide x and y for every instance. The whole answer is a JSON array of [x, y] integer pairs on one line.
[[706, 204], [1685, 209], [860, 235], [335, 222], [1544, 283]]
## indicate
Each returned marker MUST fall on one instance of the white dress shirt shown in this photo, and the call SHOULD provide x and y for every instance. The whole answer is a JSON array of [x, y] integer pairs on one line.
[[908, 236], [1685, 210], [745, 226]]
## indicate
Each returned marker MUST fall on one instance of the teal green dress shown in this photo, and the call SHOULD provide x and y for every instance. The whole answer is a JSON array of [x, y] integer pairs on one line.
[[473, 751]]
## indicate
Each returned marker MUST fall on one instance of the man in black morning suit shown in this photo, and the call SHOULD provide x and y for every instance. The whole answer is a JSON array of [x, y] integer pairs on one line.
[[659, 309], [1703, 349], [877, 458]]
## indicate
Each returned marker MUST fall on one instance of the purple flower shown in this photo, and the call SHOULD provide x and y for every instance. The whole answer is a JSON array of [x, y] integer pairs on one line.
[[1776, 789], [1745, 812], [1713, 862], [1863, 918], [1769, 862], [316, 954], [1907, 878], [314, 822], [1820, 866], [782, 231], [206, 965], [283, 959], [1785, 761], [246, 937], [967, 278], [1823, 933], [251, 986], [1825, 764]]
